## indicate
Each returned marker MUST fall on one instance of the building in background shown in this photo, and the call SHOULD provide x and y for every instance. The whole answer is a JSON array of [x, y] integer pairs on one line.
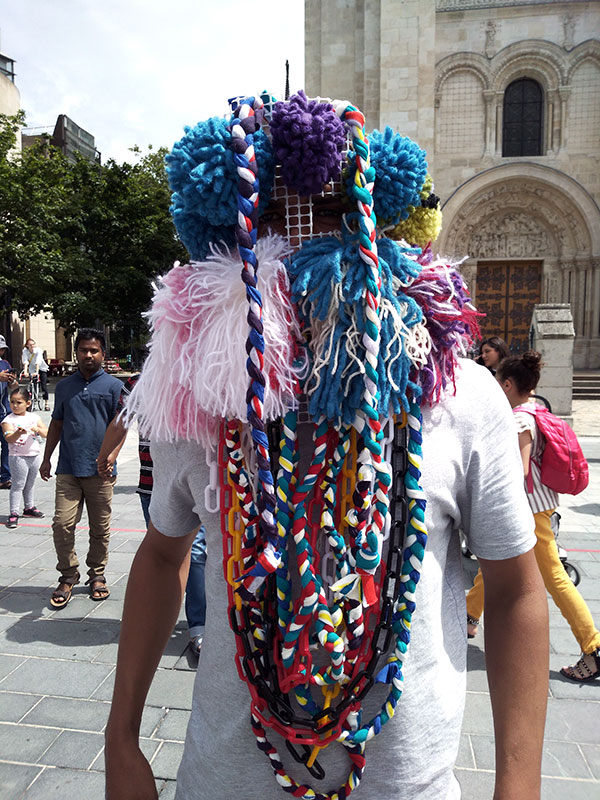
[[10, 99], [505, 98], [67, 136]]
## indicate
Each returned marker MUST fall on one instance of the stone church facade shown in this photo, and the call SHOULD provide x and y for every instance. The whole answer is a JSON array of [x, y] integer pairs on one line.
[[505, 98]]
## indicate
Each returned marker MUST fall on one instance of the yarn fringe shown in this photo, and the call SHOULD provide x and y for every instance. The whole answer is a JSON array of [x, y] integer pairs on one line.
[[194, 375], [450, 319]]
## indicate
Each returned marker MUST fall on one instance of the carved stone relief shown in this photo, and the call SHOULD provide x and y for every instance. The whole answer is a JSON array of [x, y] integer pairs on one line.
[[490, 38], [568, 22], [522, 221], [514, 235]]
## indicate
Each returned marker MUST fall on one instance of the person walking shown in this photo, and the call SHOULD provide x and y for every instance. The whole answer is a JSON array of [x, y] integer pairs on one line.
[[84, 405], [23, 430], [34, 366], [7, 382], [518, 376]]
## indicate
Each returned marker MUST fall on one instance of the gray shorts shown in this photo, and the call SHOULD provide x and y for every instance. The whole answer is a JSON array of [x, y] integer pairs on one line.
[[182, 497]]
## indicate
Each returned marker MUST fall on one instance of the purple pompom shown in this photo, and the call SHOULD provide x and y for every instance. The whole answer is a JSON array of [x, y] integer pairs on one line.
[[308, 140]]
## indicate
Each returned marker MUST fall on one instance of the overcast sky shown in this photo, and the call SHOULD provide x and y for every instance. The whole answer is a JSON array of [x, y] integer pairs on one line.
[[136, 71]]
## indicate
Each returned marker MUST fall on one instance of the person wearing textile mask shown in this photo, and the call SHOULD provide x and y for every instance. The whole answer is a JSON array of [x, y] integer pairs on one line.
[[346, 460]]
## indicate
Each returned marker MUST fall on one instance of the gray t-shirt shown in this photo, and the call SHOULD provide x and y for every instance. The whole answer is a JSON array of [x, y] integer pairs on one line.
[[472, 477]]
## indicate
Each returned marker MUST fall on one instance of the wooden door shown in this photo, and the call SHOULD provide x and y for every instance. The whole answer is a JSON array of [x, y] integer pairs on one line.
[[507, 292]]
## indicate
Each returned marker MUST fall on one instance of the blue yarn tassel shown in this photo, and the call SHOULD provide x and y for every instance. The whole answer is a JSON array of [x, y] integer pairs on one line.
[[324, 265]]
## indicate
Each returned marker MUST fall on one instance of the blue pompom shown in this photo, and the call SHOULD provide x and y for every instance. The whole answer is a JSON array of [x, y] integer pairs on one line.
[[204, 181], [400, 171]]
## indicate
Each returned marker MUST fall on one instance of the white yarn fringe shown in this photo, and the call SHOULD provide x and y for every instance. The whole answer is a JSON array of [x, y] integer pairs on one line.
[[195, 373]]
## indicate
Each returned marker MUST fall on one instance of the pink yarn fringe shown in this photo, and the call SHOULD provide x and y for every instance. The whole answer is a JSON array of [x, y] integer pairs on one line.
[[195, 373]]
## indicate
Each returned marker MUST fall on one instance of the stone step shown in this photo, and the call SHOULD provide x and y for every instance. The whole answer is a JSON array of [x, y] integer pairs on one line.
[[589, 382], [586, 394]]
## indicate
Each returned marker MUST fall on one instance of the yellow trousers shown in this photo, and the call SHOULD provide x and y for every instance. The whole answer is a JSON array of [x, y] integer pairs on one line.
[[565, 595]]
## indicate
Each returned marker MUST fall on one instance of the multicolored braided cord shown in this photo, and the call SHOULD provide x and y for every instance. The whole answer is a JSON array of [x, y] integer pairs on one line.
[[367, 423], [245, 122]]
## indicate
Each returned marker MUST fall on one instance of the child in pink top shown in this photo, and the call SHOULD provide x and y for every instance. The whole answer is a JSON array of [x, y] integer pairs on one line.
[[22, 430]]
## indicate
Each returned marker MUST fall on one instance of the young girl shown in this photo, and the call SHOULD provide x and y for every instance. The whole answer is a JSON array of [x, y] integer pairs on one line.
[[518, 376], [22, 430]]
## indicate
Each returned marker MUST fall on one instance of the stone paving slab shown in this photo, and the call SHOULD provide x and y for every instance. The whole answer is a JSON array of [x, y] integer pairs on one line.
[[63, 679], [74, 749], [62, 782], [166, 761], [57, 638], [591, 753], [15, 705], [22, 743], [15, 778]]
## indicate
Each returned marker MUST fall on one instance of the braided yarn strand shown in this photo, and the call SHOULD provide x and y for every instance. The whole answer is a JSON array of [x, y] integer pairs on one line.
[[245, 122], [367, 422]]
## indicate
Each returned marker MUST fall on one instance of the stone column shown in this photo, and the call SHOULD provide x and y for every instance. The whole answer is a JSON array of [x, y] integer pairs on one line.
[[551, 133], [490, 122], [499, 116], [553, 334], [563, 93]]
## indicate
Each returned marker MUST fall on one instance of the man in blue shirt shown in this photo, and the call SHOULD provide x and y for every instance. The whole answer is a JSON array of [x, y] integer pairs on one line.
[[7, 381], [84, 405]]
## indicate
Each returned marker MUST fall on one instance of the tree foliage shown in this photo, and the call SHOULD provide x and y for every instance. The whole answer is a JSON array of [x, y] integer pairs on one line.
[[81, 240]]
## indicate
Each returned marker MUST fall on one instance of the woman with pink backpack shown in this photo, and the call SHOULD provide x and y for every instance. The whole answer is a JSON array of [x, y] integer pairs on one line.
[[539, 431]]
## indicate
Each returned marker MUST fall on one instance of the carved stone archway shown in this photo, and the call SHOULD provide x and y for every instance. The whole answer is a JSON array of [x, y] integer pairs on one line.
[[527, 211]]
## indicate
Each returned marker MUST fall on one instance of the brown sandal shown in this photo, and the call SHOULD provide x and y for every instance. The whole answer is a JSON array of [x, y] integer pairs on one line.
[[98, 588], [583, 671], [60, 597]]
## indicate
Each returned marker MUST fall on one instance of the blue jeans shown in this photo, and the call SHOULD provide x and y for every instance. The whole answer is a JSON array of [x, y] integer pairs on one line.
[[145, 501], [4, 468], [195, 596]]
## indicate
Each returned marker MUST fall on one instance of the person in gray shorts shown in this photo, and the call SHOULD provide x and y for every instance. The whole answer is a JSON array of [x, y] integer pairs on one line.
[[339, 566]]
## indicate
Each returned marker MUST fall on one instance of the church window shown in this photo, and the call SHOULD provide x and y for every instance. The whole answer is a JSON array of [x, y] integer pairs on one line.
[[522, 119]]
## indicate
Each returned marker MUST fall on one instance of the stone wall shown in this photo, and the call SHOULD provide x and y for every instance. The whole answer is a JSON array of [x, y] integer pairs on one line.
[[437, 71]]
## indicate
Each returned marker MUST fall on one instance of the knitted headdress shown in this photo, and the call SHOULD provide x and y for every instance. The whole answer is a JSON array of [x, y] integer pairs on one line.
[[360, 327]]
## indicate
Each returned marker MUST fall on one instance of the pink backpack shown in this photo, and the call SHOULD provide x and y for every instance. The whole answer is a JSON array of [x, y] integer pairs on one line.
[[563, 465]]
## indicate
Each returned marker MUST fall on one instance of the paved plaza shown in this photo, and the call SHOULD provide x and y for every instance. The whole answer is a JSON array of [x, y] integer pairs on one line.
[[57, 667]]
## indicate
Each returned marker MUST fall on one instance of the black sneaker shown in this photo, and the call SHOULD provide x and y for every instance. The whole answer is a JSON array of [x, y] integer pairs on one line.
[[32, 512], [12, 521]]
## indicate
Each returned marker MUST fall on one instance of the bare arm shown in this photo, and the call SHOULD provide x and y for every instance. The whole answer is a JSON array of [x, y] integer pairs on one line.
[[41, 428], [113, 441], [154, 594], [525, 443], [53, 438], [12, 434], [516, 650]]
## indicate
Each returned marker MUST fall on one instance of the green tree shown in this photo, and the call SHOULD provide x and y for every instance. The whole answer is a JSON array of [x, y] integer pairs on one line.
[[32, 197], [80, 240], [121, 235]]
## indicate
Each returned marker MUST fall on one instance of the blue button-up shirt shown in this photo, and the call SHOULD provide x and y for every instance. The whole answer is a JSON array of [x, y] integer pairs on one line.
[[85, 408]]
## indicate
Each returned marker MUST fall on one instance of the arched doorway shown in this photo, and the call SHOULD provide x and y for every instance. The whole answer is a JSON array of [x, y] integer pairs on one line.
[[531, 234]]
